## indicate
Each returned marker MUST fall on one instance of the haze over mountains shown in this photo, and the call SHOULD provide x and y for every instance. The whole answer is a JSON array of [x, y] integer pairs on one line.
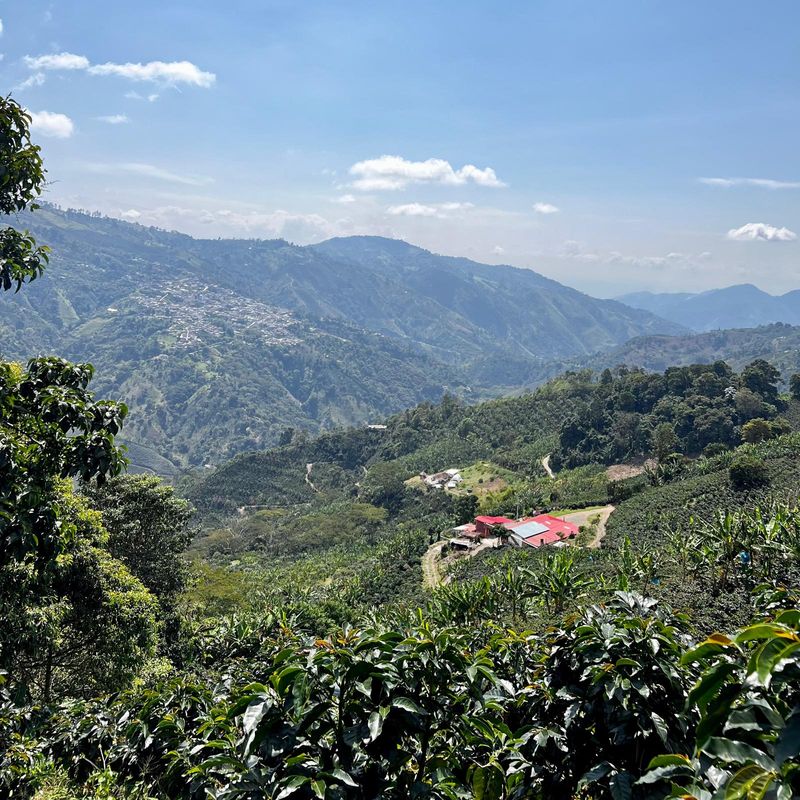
[[739, 306], [220, 345]]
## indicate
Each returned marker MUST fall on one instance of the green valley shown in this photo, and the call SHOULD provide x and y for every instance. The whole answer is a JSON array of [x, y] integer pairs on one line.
[[411, 545]]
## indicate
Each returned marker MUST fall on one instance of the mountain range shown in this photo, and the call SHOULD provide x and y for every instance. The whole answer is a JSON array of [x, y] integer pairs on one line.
[[739, 306], [222, 346]]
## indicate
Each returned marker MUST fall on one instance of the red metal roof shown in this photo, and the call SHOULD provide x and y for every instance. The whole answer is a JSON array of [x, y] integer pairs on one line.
[[555, 525], [543, 538], [495, 520]]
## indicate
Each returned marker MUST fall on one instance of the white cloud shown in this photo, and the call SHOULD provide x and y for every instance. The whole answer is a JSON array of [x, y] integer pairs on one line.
[[114, 119], [151, 171], [424, 210], [763, 183], [1, 27], [545, 208], [498, 250], [455, 206], [276, 223], [150, 98], [413, 210], [247, 223], [57, 61], [577, 251], [346, 198], [761, 232], [168, 73], [388, 173], [48, 123], [36, 79]]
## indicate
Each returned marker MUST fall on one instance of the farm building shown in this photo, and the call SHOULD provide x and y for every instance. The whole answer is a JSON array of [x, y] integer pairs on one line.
[[448, 479], [540, 530], [485, 525], [531, 531]]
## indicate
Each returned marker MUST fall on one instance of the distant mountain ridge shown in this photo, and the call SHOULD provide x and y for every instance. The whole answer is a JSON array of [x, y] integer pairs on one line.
[[219, 346], [743, 305], [778, 343], [527, 313]]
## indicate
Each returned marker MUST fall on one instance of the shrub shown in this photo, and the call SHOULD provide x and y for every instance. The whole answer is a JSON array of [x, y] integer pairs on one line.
[[748, 472], [715, 449]]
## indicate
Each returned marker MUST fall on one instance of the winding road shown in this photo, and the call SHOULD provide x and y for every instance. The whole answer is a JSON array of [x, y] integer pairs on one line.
[[309, 467]]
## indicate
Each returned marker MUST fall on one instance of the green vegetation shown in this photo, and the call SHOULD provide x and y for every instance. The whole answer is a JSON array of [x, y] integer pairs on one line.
[[289, 650], [778, 343], [484, 477], [21, 182], [686, 409]]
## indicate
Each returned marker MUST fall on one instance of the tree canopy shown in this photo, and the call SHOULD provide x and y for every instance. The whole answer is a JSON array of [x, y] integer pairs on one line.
[[21, 181]]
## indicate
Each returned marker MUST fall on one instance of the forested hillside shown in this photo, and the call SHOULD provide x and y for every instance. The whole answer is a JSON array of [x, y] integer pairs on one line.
[[779, 344], [579, 418], [220, 346]]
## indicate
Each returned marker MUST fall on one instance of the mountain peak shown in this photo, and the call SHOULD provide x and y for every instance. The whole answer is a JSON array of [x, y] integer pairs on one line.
[[730, 307], [353, 246]]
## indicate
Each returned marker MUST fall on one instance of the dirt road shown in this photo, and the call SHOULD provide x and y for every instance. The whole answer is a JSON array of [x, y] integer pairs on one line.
[[431, 576], [546, 465], [432, 560], [582, 518]]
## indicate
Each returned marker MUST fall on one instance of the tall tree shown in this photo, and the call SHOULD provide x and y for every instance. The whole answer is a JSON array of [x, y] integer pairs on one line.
[[762, 378], [148, 530], [665, 441], [70, 614], [21, 181]]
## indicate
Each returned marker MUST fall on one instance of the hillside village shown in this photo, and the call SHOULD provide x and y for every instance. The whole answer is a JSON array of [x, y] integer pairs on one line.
[[199, 313]]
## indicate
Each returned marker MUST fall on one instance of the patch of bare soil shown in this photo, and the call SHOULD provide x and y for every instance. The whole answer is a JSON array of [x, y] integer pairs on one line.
[[619, 472]]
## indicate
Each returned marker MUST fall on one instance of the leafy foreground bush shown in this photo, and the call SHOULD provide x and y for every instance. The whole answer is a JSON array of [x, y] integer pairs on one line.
[[747, 741], [417, 711]]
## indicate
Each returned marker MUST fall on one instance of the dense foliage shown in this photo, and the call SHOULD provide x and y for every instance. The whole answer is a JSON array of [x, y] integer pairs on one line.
[[21, 180], [604, 705], [687, 409], [68, 607]]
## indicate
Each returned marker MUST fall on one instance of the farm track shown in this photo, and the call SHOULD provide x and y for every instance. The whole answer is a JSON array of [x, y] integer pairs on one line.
[[582, 518], [309, 467], [431, 576]]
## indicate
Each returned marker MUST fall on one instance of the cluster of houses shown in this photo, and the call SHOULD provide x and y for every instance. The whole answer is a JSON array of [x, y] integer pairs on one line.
[[530, 531], [449, 479]]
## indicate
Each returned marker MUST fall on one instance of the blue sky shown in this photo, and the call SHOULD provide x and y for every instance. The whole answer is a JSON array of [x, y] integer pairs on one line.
[[613, 146]]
